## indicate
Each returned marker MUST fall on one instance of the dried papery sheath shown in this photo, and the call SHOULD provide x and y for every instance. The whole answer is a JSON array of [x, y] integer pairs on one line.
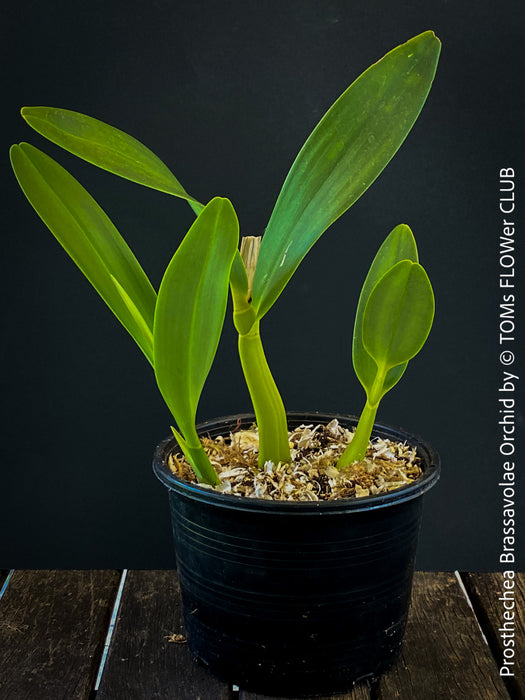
[[250, 253]]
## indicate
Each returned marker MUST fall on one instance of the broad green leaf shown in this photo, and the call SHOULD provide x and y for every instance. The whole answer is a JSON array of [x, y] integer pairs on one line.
[[398, 315], [398, 245], [396, 322], [107, 147], [345, 153], [88, 236], [190, 311]]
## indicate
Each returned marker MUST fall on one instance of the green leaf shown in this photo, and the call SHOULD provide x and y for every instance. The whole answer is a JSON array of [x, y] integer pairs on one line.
[[398, 316], [89, 238], [398, 245], [107, 147], [396, 322], [190, 311], [345, 153], [145, 328]]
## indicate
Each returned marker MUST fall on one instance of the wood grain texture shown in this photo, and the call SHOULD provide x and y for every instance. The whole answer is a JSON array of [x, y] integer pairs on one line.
[[444, 654], [485, 591], [53, 627], [360, 692], [52, 630], [143, 663]]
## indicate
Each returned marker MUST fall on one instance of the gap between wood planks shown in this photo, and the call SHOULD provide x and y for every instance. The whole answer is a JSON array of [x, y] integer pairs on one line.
[[471, 606], [6, 583], [111, 629]]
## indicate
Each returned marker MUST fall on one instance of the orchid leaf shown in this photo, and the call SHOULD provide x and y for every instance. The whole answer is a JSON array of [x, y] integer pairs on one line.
[[345, 153], [190, 312], [396, 322], [107, 147], [90, 239], [399, 245], [142, 325], [397, 318]]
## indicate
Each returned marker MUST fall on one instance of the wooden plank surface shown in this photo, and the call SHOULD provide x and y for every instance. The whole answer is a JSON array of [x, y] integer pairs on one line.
[[444, 654], [52, 629], [143, 663], [503, 633], [360, 692]]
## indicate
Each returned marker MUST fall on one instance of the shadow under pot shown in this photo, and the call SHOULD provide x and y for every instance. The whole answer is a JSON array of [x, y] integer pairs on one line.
[[295, 598]]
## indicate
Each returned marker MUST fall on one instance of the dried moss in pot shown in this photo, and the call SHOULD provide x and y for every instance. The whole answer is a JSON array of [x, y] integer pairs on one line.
[[312, 474]]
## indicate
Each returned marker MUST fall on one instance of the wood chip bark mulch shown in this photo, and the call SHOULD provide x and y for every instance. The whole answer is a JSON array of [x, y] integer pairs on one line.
[[312, 474]]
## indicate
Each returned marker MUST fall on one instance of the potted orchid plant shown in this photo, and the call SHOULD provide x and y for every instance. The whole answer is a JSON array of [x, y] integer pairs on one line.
[[293, 578]]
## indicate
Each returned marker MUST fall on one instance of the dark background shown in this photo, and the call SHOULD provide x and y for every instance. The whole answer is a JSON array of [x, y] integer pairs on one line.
[[225, 94]]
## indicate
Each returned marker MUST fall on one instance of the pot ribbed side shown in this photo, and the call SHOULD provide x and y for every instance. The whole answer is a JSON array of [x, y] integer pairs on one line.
[[300, 600]]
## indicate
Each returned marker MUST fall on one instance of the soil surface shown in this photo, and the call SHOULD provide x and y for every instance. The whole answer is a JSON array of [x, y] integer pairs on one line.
[[312, 475]]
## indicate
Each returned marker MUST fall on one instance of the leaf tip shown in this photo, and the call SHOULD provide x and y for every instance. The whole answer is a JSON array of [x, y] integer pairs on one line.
[[25, 113], [222, 202], [16, 153], [428, 35]]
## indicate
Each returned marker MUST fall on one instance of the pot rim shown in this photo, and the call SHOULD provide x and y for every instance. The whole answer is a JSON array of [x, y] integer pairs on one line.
[[429, 456]]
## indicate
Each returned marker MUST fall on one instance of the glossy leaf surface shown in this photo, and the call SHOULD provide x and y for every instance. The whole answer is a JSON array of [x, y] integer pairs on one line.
[[398, 316], [399, 245], [190, 311], [90, 239], [394, 325], [145, 328], [105, 146], [345, 153]]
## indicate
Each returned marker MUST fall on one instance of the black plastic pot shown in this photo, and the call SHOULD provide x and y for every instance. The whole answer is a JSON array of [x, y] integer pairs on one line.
[[293, 598]]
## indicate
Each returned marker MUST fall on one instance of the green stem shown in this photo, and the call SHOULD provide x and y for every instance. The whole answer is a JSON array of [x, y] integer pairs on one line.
[[197, 457], [356, 450], [269, 409]]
